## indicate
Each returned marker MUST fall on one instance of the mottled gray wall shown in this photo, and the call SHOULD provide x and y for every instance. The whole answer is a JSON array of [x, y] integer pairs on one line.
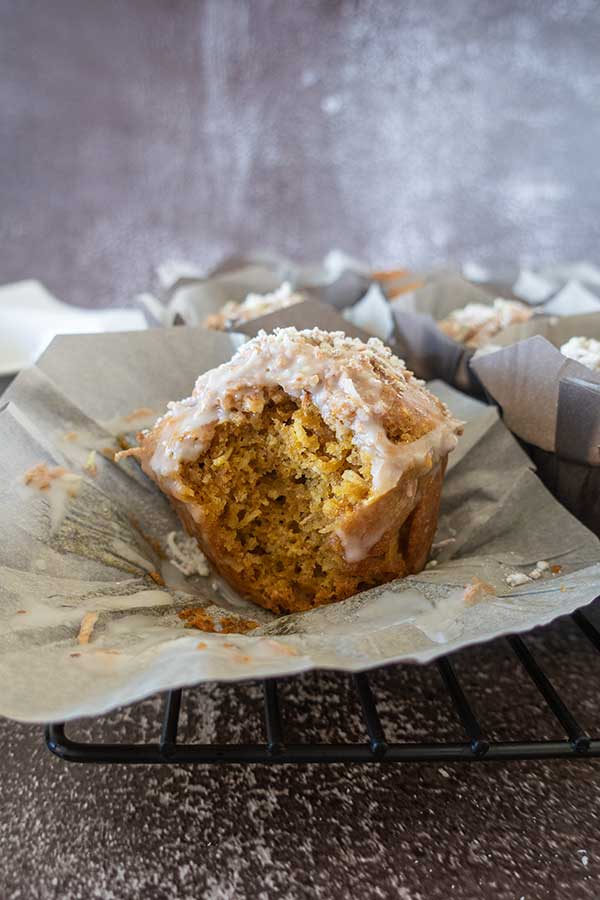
[[416, 132]]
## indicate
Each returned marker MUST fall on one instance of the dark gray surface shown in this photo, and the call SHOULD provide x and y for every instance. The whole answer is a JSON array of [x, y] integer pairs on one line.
[[417, 832], [414, 132]]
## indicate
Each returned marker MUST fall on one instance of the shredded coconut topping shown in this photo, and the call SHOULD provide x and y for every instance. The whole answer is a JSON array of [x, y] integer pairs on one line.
[[347, 381], [517, 578], [185, 555], [540, 569], [253, 306], [477, 323], [354, 385], [583, 350]]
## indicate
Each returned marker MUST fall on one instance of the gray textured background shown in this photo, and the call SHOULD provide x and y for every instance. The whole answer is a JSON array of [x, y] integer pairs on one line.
[[416, 133]]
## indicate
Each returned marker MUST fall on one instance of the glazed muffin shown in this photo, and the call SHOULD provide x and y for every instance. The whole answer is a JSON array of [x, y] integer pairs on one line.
[[254, 306], [309, 467], [476, 324], [583, 350]]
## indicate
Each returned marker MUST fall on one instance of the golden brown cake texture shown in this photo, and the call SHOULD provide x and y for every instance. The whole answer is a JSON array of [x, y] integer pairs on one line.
[[308, 467], [476, 324], [254, 306]]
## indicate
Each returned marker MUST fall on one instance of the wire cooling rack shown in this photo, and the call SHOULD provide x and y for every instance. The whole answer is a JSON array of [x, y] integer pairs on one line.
[[475, 748]]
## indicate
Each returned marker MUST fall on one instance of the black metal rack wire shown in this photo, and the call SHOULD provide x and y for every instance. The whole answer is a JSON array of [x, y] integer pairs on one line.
[[476, 748]]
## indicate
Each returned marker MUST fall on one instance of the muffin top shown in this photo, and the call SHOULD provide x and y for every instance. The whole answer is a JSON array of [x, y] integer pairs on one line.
[[584, 350], [357, 387], [254, 305], [476, 323]]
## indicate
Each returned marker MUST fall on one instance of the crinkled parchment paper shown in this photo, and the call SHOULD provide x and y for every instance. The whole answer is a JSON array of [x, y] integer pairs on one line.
[[553, 404], [85, 622], [432, 354], [400, 307]]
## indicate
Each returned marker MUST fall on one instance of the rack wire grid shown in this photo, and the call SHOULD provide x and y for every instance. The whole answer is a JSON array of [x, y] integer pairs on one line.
[[475, 748]]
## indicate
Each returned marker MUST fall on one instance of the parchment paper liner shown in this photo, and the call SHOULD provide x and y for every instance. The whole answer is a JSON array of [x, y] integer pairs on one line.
[[428, 351], [339, 282], [496, 519], [418, 301], [553, 405]]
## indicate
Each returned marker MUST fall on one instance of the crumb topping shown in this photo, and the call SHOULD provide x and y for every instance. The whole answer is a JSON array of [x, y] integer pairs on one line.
[[583, 350], [254, 306], [355, 386], [476, 324]]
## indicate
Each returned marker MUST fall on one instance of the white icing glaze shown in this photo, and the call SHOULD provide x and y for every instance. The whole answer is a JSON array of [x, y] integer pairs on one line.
[[483, 322], [584, 350], [356, 543], [346, 380], [256, 305], [473, 315]]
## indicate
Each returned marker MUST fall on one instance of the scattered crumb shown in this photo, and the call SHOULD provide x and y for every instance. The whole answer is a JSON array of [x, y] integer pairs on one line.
[[445, 543], [431, 564], [41, 476], [157, 577], [140, 413], [109, 453], [124, 445], [197, 617], [517, 578], [540, 567], [21, 612], [184, 553], [556, 570], [201, 645], [90, 464], [71, 436], [86, 627], [74, 654], [477, 591]]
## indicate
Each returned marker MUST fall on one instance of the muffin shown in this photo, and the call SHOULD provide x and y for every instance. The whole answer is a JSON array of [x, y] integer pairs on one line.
[[252, 307], [584, 350], [309, 467], [475, 324]]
